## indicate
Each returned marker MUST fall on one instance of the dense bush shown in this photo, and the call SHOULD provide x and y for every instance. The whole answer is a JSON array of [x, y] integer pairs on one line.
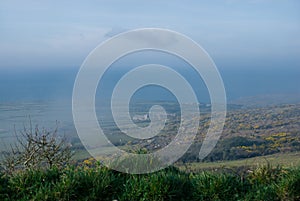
[[94, 182], [209, 186]]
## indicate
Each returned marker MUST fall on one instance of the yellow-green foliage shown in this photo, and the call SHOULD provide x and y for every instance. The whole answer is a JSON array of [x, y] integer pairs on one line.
[[270, 138], [280, 134]]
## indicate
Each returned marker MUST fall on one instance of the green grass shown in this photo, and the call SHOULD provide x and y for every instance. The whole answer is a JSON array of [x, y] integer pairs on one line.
[[284, 160], [90, 181]]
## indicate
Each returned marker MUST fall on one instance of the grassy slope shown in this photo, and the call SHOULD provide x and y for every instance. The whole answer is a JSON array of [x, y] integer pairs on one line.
[[285, 160]]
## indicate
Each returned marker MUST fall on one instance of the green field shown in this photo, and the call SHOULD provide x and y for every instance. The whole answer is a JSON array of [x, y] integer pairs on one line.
[[284, 160]]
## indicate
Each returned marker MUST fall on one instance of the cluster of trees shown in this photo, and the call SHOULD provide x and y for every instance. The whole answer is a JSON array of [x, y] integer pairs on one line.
[[242, 147]]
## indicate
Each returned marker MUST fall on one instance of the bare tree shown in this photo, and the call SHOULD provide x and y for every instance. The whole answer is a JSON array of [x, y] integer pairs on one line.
[[35, 148]]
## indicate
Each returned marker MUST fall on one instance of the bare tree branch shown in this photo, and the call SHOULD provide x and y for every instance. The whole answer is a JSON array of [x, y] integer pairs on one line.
[[35, 148]]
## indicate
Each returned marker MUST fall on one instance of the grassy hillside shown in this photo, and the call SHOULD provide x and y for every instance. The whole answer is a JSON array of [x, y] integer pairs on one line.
[[287, 160]]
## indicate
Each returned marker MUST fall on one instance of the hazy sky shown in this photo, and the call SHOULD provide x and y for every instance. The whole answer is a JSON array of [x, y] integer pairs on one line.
[[236, 33]]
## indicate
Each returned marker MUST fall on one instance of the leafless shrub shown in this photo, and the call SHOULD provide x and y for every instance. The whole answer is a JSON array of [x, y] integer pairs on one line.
[[36, 149]]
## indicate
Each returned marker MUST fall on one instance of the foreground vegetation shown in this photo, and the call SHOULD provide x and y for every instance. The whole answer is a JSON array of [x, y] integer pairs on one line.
[[91, 181]]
